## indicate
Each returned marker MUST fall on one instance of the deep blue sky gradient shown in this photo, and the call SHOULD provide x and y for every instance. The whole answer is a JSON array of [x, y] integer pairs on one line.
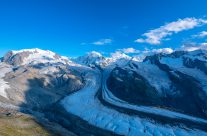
[[64, 25]]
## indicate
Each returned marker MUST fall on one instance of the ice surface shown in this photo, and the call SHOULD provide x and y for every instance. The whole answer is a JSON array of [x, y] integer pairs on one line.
[[85, 105]]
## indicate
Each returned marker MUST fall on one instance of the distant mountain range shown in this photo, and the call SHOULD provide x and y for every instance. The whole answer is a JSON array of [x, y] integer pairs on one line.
[[164, 93]]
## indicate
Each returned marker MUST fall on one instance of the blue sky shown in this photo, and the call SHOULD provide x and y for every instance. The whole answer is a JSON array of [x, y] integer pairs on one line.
[[74, 27]]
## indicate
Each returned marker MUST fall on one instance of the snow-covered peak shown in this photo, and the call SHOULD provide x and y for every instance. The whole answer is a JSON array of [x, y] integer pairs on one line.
[[118, 55], [117, 59], [194, 54], [94, 54], [33, 56], [34, 50], [90, 59], [202, 46], [197, 52]]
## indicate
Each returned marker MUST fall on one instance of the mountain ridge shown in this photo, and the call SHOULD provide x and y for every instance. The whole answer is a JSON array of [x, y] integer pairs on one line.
[[167, 89]]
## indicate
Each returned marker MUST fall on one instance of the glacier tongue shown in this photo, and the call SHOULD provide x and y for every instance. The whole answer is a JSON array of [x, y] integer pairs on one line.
[[86, 105]]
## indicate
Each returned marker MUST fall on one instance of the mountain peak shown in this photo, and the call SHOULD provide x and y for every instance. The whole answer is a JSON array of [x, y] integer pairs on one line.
[[32, 56], [94, 54], [90, 59]]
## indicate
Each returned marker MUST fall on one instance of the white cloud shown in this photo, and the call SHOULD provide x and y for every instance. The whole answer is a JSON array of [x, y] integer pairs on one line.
[[129, 50], [156, 36], [201, 34], [147, 52], [102, 42], [163, 50], [156, 51], [139, 54], [94, 54]]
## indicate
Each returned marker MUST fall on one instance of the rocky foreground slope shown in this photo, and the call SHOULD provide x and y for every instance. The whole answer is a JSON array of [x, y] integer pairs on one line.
[[165, 94]]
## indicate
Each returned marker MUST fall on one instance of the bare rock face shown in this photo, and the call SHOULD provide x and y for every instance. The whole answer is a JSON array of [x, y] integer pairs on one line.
[[131, 87], [35, 80], [41, 87], [15, 59], [38, 80], [7, 56]]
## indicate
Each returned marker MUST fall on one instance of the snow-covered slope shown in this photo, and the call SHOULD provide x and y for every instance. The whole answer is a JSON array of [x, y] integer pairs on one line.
[[159, 77], [159, 94], [3, 84], [91, 59], [192, 63], [33, 56], [98, 114], [94, 58]]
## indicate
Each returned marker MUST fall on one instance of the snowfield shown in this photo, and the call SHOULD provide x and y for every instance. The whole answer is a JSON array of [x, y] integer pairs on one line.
[[177, 64], [40, 56], [152, 74], [85, 105], [3, 84], [109, 112]]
